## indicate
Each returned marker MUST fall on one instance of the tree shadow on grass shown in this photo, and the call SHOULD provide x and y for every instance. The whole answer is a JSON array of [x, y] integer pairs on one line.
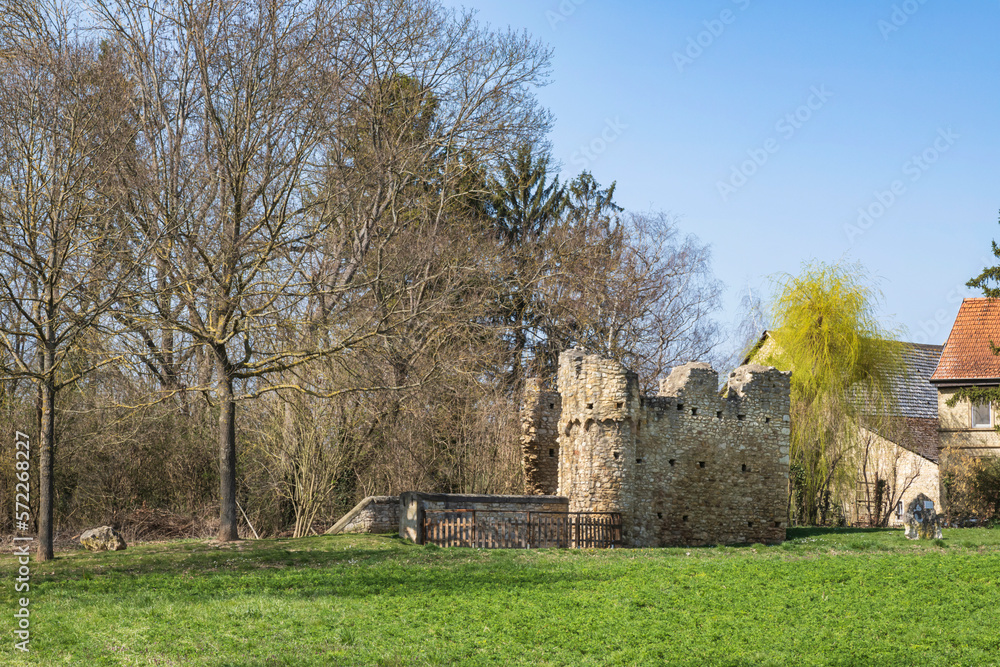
[[294, 569], [806, 531]]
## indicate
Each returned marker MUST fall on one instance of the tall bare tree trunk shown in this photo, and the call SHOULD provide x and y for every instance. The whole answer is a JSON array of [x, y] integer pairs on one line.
[[227, 449], [46, 457]]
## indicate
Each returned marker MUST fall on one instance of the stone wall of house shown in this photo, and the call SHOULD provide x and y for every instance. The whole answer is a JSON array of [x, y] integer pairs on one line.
[[911, 473], [379, 515], [957, 433], [540, 448], [684, 467], [918, 476]]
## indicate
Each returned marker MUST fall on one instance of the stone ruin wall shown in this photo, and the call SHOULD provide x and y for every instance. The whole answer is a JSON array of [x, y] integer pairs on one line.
[[414, 504], [380, 515], [540, 447], [685, 467]]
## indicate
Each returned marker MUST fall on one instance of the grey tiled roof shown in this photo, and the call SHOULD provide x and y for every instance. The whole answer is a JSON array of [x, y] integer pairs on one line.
[[922, 437], [917, 402], [915, 395]]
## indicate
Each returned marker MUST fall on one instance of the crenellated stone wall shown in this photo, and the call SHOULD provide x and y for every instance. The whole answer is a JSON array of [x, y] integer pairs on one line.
[[687, 466]]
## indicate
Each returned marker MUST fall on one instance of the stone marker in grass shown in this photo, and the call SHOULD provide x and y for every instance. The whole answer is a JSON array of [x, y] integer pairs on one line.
[[921, 520]]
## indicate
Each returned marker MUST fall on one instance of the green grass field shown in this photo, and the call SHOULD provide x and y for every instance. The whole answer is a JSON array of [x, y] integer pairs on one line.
[[825, 597]]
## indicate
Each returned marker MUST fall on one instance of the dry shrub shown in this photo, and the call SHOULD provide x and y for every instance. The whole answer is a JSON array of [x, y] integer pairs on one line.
[[972, 488], [114, 461], [145, 524]]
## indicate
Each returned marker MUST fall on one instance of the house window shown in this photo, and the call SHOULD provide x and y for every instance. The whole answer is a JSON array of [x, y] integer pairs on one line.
[[981, 415], [899, 511]]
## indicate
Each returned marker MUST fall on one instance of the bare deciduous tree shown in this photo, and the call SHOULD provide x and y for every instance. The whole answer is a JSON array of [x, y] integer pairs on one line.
[[281, 142], [649, 301], [309, 444], [881, 480], [65, 254], [630, 288]]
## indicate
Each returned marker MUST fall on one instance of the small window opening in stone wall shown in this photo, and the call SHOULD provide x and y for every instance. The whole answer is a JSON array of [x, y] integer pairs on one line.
[[718, 414], [744, 467], [618, 406], [552, 406], [590, 406], [672, 461], [680, 406], [659, 515], [638, 460], [741, 417], [616, 455], [684, 518], [750, 524], [767, 420], [777, 524], [694, 411], [552, 453], [701, 464]]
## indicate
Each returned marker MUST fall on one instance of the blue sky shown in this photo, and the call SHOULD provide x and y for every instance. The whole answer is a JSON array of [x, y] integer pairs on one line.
[[769, 129]]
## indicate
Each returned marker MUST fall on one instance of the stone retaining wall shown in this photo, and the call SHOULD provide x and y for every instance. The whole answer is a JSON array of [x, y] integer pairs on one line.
[[379, 515], [413, 504]]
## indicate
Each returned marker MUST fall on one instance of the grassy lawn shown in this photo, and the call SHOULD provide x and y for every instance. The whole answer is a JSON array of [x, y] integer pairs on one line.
[[825, 597]]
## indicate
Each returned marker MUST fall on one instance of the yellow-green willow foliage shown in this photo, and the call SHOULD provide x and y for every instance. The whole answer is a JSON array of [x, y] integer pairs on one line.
[[844, 366]]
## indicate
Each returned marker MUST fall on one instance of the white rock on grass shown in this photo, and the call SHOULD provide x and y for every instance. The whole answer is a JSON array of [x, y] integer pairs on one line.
[[104, 538]]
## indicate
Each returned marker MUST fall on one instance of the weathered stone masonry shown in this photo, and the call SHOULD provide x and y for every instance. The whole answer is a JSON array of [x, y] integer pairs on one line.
[[539, 421], [687, 466]]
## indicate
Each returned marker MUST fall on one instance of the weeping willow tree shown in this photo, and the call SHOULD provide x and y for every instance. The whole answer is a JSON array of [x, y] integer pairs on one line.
[[845, 370]]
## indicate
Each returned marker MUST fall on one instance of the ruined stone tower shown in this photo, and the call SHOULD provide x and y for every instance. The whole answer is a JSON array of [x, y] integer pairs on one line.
[[597, 432], [687, 466]]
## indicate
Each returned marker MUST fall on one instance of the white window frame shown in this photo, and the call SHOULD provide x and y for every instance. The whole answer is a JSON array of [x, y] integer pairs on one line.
[[972, 416]]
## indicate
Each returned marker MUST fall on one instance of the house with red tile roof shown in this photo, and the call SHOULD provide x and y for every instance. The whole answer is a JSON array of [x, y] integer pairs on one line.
[[968, 361]]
